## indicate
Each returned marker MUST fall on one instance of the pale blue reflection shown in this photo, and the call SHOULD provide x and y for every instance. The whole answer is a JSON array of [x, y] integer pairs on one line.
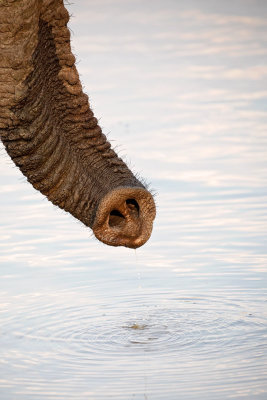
[[181, 87]]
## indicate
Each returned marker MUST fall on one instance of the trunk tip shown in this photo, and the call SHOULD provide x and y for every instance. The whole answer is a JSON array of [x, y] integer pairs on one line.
[[125, 217]]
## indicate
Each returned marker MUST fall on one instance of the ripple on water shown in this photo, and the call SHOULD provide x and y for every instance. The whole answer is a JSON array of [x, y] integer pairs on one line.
[[60, 331]]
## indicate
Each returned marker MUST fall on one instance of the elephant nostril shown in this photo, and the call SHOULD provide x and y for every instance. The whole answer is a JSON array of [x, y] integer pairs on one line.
[[133, 206], [129, 211], [125, 217], [115, 218]]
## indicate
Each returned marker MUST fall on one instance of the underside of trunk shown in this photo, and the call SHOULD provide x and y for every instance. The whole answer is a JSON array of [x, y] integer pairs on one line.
[[51, 134]]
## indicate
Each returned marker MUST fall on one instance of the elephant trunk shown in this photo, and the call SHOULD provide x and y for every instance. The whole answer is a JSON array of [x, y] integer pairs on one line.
[[125, 217], [50, 131]]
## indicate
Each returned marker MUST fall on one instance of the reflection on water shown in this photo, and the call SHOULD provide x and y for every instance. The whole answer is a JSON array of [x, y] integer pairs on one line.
[[184, 317], [134, 344]]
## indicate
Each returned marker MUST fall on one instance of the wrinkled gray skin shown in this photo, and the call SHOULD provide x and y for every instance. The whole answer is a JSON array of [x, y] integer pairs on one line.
[[51, 134]]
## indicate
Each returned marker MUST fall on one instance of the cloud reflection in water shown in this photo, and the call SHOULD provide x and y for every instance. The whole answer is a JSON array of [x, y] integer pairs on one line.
[[181, 86]]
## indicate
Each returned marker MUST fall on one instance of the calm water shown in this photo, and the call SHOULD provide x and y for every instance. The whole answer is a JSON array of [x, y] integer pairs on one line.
[[181, 86]]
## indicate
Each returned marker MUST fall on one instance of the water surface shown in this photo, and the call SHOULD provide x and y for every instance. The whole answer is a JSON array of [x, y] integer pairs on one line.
[[180, 87]]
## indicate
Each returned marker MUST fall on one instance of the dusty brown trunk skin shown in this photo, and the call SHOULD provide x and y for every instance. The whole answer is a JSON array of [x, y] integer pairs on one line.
[[50, 132]]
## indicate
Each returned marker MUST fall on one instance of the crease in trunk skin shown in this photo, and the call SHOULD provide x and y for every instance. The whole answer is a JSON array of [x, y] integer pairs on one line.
[[50, 131]]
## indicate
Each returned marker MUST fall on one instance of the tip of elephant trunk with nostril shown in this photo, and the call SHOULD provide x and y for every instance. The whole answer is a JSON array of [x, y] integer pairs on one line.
[[125, 217]]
